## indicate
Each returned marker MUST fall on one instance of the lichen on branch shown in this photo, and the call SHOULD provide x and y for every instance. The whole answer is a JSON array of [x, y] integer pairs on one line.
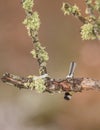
[[32, 23], [36, 83], [87, 31], [90, 29], [67, 9], [28, 5], [40, 53]]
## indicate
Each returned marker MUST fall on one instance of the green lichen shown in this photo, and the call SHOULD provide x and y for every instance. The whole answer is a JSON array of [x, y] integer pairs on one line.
[[91, 25], [36, 83], [32, 22], [87, 32], [40, 53], [28, 4], [75, 9], [97, 5], [39, 85], [33, 52], [68, 9]]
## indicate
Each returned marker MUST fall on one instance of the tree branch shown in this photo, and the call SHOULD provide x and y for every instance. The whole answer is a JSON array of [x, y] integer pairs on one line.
[[91, 23], [55, 86], [32, 23]]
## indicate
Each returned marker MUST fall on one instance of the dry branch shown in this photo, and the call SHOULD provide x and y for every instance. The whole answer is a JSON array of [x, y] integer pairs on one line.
[[67, 85], [55, 86]]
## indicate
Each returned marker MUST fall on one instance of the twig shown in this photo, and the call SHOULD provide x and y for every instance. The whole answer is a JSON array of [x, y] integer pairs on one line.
[[91, 23], [89, 9], [69, 9], [32, 23]]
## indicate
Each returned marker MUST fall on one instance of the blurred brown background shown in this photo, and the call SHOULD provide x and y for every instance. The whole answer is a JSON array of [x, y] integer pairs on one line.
[[27, 110]]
